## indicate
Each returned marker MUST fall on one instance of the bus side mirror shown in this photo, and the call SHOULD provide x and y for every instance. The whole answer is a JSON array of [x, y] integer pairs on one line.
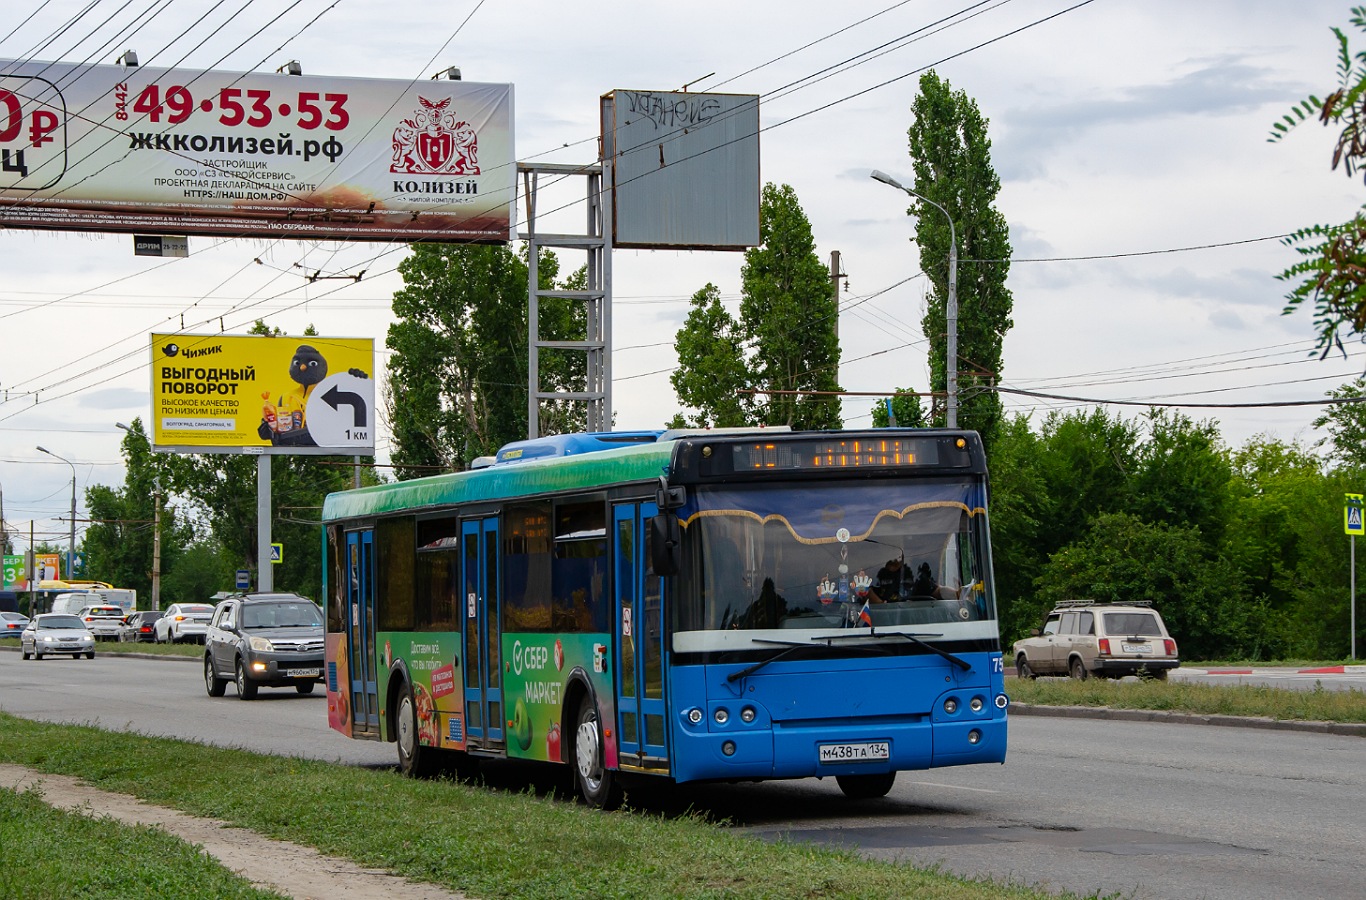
[[666, 551]]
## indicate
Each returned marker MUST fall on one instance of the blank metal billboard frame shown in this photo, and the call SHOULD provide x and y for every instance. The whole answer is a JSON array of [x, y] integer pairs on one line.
[[683, 169]]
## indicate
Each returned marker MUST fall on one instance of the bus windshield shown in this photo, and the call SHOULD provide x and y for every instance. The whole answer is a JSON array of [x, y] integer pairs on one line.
[[844, 554]]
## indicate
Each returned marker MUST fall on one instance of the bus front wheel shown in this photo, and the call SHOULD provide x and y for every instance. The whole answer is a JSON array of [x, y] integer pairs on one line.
[[866, 787], [597, 784]]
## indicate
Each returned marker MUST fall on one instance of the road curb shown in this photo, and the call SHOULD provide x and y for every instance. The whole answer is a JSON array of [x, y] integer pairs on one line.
[[1350, 729]]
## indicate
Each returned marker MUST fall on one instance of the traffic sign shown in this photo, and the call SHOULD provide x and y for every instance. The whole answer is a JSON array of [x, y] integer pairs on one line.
[[243, 579], [1352, 522], [277, 553]]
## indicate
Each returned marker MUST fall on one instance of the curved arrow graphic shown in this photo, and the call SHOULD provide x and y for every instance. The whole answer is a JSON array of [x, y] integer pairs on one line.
[[336, 399]]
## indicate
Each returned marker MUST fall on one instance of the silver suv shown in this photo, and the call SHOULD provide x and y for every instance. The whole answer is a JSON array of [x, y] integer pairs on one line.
[[1083, 637]]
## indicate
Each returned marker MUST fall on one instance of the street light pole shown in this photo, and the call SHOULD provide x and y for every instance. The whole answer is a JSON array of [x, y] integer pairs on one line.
[[156, 534], [71, 550], [951, 307]]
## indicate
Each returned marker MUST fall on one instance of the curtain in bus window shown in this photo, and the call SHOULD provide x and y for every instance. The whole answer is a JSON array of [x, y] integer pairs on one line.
[[394, 586], [527, 554], [815, 513], [336, 577], [579, 570], [438, 590]]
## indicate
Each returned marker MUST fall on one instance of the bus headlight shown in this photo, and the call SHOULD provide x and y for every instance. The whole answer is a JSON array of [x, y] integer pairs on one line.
[[722, 715], [974, 736], [976, 704], [747, 714], [951, 705]]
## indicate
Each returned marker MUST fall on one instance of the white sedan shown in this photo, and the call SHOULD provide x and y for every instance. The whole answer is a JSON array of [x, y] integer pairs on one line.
[[57, 633], [184, 622]]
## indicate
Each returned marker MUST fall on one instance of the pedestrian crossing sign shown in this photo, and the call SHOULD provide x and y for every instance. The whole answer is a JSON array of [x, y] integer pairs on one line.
[[277, 551], [1351, 516]]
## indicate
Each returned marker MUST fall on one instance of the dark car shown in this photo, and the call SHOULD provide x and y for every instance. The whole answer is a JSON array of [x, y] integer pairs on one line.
[[264, 640], [140, 626]]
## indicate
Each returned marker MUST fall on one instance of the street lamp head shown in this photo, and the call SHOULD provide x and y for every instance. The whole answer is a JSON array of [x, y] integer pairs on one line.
[[123, 426], [879, 175], [45, 450]]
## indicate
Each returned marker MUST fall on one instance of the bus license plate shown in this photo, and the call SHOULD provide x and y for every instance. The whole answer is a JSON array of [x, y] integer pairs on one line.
[[871, 751], [305, 673]]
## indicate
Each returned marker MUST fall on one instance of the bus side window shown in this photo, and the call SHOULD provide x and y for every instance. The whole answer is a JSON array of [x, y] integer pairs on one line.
[[526, 567]]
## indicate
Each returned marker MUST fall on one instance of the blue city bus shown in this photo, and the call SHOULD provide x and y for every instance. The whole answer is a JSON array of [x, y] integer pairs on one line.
[[682, 606]]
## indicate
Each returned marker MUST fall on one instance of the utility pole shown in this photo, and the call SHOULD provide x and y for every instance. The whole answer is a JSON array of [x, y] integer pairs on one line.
[[835, 276], [156, 546]]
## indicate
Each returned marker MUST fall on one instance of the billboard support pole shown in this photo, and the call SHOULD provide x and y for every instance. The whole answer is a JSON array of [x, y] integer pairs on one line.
[[265, 580]]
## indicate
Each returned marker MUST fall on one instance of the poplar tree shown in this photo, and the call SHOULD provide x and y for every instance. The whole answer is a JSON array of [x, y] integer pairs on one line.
[[784, 340], [951, 155]]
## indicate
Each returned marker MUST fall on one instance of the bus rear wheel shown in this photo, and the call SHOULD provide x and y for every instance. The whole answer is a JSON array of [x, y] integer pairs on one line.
[[597, 784], [414, 760], [865, 787]]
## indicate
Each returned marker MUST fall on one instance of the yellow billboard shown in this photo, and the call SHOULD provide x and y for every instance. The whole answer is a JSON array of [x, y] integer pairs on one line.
[[256, 394]]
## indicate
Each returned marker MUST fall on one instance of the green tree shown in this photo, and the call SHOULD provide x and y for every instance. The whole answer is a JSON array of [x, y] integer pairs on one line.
[[1016, 508], [951, 155], [789, 310], [1345, 422], [905, 405], [1278, 493], [784, 340], [1182, 475], [712, 374], [457, 373], [119, 544], [1331, 271]]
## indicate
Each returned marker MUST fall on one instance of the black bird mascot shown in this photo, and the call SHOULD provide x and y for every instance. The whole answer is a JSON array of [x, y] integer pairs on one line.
[[283, 422]]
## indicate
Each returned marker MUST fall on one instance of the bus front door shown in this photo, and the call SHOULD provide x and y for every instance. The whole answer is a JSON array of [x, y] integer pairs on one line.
[[360, 631], [483, 638], [639, 638]]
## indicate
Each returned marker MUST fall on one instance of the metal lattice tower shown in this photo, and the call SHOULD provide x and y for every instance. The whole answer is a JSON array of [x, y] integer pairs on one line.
[[597, 298]]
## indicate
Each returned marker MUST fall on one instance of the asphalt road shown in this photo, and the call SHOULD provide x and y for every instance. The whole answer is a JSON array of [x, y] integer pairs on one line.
[[1143, 810]]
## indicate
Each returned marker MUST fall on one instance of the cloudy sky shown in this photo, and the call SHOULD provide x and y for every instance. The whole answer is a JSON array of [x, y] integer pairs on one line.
[[1125, 133]]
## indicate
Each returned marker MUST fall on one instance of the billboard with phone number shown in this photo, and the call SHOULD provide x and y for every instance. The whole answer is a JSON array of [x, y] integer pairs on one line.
[[189, 151], [255, 394]]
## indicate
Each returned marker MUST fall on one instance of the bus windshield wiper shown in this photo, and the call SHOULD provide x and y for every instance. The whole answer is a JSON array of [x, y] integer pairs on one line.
[[788, 647], [913, 638], [916, 639]]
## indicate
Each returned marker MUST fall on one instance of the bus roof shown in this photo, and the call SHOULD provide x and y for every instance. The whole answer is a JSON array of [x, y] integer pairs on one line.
[[642, 462]]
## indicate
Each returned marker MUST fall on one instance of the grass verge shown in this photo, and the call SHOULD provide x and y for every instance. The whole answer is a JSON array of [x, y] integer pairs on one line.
[[123, 647], [48, 853], [489, 844], [1317, 705]]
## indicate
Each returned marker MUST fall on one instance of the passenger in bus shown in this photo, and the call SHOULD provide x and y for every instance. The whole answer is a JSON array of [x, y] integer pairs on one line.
[[926, 588], [768, 609], [892, 582]]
